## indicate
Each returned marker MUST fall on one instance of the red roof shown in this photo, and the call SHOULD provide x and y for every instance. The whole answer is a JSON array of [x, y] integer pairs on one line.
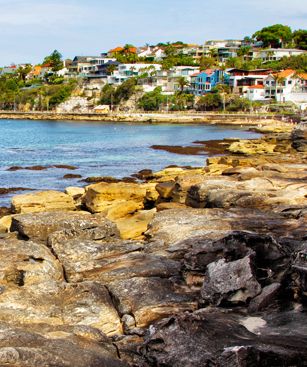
[[258, 86], [195, 74]]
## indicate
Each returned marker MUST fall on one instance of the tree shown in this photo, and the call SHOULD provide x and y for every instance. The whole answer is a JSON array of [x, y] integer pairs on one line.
[[300, 39], [152, 101], [54, 60], [182, 83], [243, 51], [210, 101], [239, 104], [206, 62], [23, 71], [275, 36]]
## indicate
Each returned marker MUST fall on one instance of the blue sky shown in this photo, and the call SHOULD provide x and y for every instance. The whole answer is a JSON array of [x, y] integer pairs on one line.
[[31, 29]]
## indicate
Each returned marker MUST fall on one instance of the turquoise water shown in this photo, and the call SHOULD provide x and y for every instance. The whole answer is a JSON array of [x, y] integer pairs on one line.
[[108, 149]]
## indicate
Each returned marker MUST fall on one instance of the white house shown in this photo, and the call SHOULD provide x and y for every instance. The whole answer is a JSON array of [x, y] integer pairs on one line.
[[255, 93], [126, 71], [285, 86], [273, 54]]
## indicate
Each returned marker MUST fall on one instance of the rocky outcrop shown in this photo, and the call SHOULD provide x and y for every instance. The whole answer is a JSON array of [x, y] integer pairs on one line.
[[38, 226], [42, 201], [206, 338], [299, 138], [215, 274], [149, 299], [71, 346]]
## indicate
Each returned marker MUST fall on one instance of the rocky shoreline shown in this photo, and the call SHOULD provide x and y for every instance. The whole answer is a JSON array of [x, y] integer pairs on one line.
[[188, 267], [176, 118]]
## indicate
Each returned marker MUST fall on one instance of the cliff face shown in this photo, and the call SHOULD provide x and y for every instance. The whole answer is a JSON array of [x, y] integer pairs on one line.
[[192, 267]]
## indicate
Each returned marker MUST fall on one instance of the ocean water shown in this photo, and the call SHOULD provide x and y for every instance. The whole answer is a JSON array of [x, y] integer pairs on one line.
[[96, 149]]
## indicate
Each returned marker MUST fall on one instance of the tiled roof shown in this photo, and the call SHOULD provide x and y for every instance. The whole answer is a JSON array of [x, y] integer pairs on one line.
[[302, 75], [258, 86], [285, 73]]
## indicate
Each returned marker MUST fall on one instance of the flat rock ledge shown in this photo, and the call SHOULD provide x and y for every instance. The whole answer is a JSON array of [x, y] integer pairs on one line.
[[192, 267]]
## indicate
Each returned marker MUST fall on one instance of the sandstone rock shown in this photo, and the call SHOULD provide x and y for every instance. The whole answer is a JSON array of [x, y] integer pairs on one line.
[[165, 189], [42, 201], [75, 192], [151, 192], [38, 226], [232, 282], [27, 263], [87, 304], [109, 261], [5, 223], [149, 299], [174, 225], [182, 185], [62, 348], [250, 147], [134, 226], [103, 196]]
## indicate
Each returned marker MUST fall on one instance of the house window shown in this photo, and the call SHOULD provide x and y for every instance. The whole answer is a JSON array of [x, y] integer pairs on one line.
[[290, 82]]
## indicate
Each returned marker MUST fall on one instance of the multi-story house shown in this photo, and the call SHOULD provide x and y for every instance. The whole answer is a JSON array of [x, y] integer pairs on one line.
[[240, 80], [126, 71], [285, 86], [204, 81], [274, 54]]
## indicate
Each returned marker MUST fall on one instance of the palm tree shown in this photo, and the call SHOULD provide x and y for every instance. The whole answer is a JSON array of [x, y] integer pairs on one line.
[[111, 68], [182, 82]]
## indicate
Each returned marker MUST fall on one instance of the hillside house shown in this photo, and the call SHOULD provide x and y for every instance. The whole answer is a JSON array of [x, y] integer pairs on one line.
[[285, 86], [240, 80], [204, 81]]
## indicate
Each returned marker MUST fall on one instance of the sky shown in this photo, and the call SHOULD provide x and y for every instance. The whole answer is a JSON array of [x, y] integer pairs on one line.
[[32, 29]]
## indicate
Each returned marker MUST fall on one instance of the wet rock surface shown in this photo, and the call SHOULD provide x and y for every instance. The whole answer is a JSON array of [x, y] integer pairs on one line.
[[194, 267]]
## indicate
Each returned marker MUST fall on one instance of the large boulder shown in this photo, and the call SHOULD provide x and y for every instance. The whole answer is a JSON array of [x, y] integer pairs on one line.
[[75, 346], [87, 304], [233, 282], [121, 196], [25, 263], [149, 299], [42, 201], [214, 338], [299, 138], [174, 225], [38, 226], [109, 261]]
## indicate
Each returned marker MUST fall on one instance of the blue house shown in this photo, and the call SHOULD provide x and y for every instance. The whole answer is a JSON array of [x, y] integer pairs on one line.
[[204, 81]]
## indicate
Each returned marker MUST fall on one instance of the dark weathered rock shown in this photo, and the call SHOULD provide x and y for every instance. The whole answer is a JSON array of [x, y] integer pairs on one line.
[[265, 297], [149, 299], [217, 339], [38, 226], [233, 282], [299, 139]]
